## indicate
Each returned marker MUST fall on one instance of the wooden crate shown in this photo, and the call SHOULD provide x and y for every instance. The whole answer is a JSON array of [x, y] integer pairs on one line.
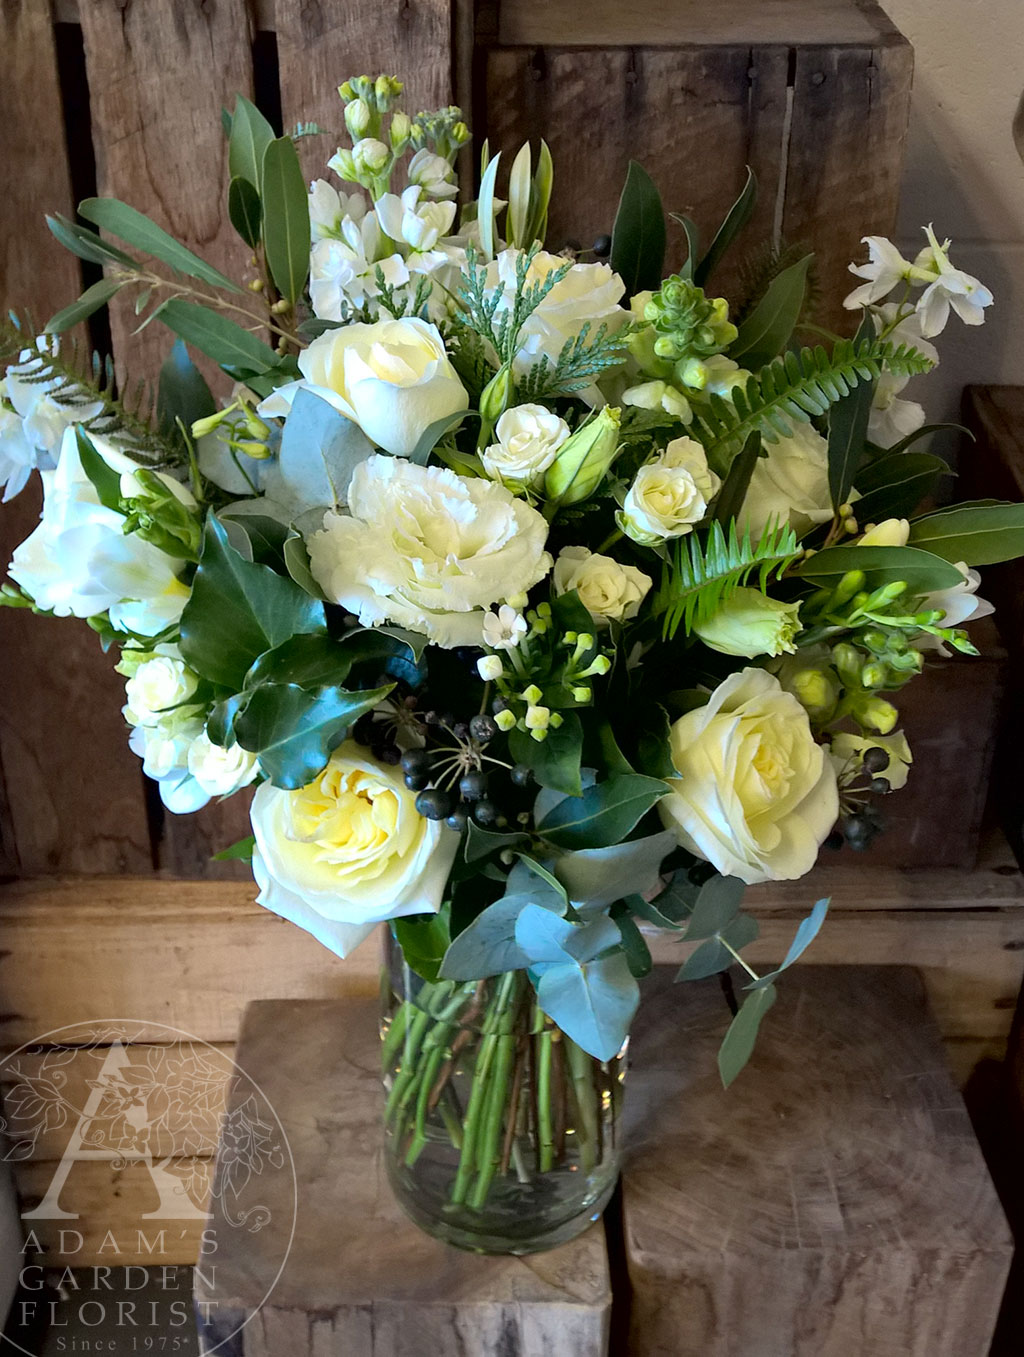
[[814, 98]]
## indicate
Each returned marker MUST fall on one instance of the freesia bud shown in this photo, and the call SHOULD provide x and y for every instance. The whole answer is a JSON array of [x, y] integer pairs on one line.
[[582, 461]]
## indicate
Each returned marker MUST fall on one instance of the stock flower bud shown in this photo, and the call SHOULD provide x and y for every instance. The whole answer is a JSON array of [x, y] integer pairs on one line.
[[399, 131], [877, 714], [582, 461], [748, 623], [371, 155], [815, 690], [344, 166], [357, 118]]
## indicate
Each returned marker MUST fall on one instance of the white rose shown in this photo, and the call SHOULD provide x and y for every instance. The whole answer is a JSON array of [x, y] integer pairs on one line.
[[609, 591], [347, 851], [756, 795], [157, 685], [528, 438], [789, 485], [690, 455], [588, 292], [669, 495], [220, 771], [428, 549], [392, 378], [79, 561]]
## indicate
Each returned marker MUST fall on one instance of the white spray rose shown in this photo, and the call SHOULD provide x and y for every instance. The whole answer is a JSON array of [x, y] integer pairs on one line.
[[669, 495], [428, 549], [790, 485], [610, 592], [392, 378], [528, 438], [79, 561], [347, 851], [755, 795], [220, 771]]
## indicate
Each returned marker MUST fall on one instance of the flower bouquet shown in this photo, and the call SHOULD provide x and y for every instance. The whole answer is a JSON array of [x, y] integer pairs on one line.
[[545, 599]]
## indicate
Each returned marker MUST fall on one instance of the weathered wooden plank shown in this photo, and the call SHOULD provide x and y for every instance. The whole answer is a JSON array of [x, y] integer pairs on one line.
[[321, 44], [797, 1212], [357, 1268], [602, 107], [845, 157], [61, 733]]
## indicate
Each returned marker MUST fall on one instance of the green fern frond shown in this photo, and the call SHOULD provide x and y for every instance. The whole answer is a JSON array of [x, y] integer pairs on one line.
[[76, 379], [797, 387], [702, 575]]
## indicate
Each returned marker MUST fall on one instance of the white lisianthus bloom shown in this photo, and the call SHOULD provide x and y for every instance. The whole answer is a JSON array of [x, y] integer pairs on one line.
[[951, 288], [609, 591], [669, 495], [891, 532], [790, 485], [528, 438], [347, 851], [885, 268], [158, 684], [847, 752], [588, 292], [392, 378], [750, 624], [432, 174], [409, 221], [504, 629], [959, 604], [428, 549], [756, 795], [79, 562], [220, 771]]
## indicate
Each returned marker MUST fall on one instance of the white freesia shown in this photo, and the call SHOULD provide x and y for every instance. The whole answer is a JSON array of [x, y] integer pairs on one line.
[[80, 562], [504, 629], [528, 436], [756, 795], [347, 851], [959, 605], [392, 378], [885, 268], [669, 495], [891, 532], [417, 224], [428, 549], [892, 419], [19, 456], [790, 484], [609, 591], [432, 174], [220, 771], [951, 288], [588, 293]]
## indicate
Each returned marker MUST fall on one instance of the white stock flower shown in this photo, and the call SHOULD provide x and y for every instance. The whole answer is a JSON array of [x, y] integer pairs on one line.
[[609, 591], [347, 851], [885, 268], [789, 485], [329, 209], [392, 378], [428, 549], [343, 271], [890, 418], [669, 495], [891, 532], [951, 288], [79, 561], [220, 771], [504, 629], [588, 293], [528, 438], [412, 223], [432, 174], [755, 795], [658, 396]]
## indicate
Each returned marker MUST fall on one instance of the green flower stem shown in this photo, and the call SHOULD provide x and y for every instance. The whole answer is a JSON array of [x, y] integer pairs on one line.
[[407, 1073], [430, 1067], [488, 1151], [476, 1112], [394, 1036], [581, 1067], [545, 1145]]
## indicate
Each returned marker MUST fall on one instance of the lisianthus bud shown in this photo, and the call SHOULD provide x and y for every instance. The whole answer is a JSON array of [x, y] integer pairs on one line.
[[494, 401], [749, 623], [582, 461], [357, 118], [892, 532]]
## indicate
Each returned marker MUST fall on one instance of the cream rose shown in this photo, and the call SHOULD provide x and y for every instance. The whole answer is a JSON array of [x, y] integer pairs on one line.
[[347, 851], [609, 591], [528, 437], [755, 795], [428, 549], [157, 685], [392, 378], [669, 495], [790, 485]]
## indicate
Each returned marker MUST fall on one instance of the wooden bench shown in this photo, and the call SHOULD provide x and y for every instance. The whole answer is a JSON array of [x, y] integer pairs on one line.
[[833, 1203]]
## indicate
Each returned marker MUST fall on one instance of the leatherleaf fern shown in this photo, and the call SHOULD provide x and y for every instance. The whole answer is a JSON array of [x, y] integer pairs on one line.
[[75, 380], [797, 386], [702, 573]]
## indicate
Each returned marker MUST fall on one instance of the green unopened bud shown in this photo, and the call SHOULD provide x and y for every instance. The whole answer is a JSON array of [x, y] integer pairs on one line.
[[666, 347], [874, 676], [253, 448], [358, 118], [346, 91], [815, 690], [693, 373], [582, 693], [878, 715], [460, 134], [851, 582], [399, 131], [371, 155], [201, 427], [386, 90], [847, 660], [582, 461], [494, 401], [540, 735]]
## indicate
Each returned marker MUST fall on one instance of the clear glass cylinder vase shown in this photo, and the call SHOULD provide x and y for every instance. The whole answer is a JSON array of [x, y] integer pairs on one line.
[[501, 1134]]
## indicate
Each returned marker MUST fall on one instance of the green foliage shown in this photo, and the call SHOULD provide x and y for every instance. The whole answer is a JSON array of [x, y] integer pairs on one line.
[[848, 430], [977, 534], [702, 574], [738, 1043], [555, 761], [235, 349], [604, 814], [481, 310], [136, 229], [248, 138], [90, 301], [767, 329], [797, 387], [893, 486], [638, 236], [736, 218], [580, 361], [923, 571], [245, 210], [286, 230], [182, 392]]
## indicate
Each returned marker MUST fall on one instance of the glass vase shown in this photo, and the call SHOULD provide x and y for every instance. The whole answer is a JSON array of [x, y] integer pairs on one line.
[[501, 1134]]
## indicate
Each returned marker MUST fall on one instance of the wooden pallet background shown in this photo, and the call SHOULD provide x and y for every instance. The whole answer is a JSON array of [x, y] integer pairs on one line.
[[107, 917]]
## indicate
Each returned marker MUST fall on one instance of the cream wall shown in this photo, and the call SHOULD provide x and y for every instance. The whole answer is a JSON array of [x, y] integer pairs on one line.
[[964, 173]]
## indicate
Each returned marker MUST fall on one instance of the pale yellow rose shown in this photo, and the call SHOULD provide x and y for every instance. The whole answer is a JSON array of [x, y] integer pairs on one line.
[[756, 795], [609, 591]]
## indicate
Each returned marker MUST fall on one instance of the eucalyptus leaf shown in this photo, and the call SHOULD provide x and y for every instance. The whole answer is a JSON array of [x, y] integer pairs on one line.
[[555, 762], [216, 336], [182, 392], [250, 136], [320, 450], [923, 571], [738, 1043], [978, 535], [767, 330], [481, 843], [245, 211], [805, 935], [599, 876], [135, 228], [604, 814], [638, 236], [672, 907], [637, 953], [90, 301], [286, 229], [594, 1005], [716, 906], [714, 956], [432, 435]]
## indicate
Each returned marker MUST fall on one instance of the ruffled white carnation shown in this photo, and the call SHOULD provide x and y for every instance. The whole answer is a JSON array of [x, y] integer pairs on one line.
[[428, 549]]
